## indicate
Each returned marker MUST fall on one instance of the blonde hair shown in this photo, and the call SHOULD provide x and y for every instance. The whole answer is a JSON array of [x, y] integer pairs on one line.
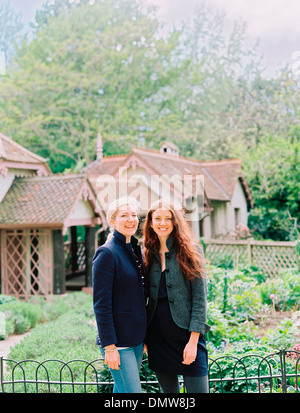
[[114, 208]]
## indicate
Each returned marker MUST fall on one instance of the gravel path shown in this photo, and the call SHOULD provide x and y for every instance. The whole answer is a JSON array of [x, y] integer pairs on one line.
[[10, 341]]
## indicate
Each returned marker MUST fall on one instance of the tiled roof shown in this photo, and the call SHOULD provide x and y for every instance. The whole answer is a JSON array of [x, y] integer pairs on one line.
[[12, 151], [224, 172], [220, 177], [40, 200], [107, 166]]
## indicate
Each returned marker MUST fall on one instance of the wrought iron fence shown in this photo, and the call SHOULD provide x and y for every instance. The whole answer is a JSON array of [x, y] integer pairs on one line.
[[278, 372]]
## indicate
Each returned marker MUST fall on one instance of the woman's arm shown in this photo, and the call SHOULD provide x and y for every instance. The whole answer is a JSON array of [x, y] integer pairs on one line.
[[199, 301], [103, 278], [190, 350]]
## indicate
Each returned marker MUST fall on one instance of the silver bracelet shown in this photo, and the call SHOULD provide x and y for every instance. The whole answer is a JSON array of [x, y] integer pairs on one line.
[[109, 350]]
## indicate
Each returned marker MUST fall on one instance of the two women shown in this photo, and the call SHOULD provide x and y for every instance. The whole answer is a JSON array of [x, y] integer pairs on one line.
[[176, 300]]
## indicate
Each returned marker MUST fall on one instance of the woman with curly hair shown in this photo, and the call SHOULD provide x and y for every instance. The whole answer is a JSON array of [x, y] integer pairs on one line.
[[176, 308]]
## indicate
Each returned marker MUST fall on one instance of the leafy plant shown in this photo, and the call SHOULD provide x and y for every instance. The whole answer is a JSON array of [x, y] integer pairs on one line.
[[285, 288], [4, 299], [281, 337], [20, 316]]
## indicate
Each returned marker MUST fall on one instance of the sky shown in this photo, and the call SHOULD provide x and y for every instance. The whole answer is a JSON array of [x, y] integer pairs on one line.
[[275, 23]]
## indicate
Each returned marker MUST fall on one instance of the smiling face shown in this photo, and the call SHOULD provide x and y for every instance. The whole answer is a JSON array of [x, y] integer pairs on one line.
[[162, 222], [125, 221]]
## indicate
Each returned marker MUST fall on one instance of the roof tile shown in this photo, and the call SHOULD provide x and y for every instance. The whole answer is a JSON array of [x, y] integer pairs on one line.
[[40, 200]]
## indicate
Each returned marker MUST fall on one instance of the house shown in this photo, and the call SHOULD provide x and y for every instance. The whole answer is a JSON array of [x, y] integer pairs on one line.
[[216, 191], [37, 209]]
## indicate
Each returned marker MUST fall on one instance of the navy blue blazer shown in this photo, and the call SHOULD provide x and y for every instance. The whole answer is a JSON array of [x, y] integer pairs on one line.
[[119, 296]]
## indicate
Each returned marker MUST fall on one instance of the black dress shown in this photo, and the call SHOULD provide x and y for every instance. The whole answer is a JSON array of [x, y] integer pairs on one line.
[[166, 342]]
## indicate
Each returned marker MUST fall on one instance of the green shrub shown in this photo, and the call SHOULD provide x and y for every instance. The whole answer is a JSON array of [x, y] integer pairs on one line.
[[283, 336], [20, 316], [285, 288], [235, 292], [253, 272], [221, 259], [252, 356], [70, 337], [4, 299], [218, 323]]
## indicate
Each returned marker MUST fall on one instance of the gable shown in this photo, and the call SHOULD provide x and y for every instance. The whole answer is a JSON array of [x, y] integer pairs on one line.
[[220, 177], [15, 156], [50, 202], [134, 162]]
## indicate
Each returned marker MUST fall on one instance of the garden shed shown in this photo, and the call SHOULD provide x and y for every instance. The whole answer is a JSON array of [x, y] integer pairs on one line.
[[37, 210]]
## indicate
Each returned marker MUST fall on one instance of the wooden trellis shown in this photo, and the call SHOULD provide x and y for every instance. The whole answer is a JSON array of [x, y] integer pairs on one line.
[[269, 256], [26, 262], [80, 256]]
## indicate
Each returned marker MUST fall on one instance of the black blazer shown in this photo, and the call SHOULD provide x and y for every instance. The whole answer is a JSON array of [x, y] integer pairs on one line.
[[118, 293]]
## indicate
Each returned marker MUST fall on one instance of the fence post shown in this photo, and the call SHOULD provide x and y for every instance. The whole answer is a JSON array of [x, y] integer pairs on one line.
[[1, 374], [282, 353], [298, 253], [249, 251]]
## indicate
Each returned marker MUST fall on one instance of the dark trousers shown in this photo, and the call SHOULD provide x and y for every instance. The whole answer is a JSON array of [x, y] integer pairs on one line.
[[169, 383]]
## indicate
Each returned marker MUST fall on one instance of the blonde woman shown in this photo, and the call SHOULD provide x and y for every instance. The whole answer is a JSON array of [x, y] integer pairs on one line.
[[176, 273], [119, 297]]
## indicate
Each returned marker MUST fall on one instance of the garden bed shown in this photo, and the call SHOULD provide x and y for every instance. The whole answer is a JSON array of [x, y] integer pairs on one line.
[[248, 313]]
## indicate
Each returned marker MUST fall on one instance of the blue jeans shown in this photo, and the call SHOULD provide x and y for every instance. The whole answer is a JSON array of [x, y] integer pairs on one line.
[[127, 378]]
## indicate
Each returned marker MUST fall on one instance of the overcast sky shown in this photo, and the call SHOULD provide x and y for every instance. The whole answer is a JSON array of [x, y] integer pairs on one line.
[[276, 23]]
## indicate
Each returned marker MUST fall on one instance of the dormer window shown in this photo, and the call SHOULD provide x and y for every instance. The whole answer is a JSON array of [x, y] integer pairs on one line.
[[169, 148]]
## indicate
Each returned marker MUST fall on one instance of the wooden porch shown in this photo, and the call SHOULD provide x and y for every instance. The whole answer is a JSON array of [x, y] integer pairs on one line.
[[40, 262]]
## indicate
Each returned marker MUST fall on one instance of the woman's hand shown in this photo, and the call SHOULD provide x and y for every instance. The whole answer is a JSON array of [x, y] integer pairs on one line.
[[145, 349], [112, 357], [190, 350]]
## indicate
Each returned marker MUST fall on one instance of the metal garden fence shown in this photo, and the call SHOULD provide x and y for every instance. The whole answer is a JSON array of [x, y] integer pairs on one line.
[[278, 372]]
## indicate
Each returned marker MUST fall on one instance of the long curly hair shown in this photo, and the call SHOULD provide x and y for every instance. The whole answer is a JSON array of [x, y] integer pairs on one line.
[[190, 260]]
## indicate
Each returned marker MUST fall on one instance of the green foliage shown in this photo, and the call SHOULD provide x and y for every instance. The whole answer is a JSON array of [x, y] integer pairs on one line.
[[67, 331], [235, 299], [285, 288], [283, 336], [64, 338], [71, 336], [235, 291], [95, 66], [7, 299], [298, 252], [20, 316], [219, 325], [256, 366], [273, 172], [106, 66]]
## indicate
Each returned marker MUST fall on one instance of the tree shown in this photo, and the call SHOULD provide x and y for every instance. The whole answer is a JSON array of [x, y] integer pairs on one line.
[[90, 66], [10, 31], [273, 172], [214, 60]]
